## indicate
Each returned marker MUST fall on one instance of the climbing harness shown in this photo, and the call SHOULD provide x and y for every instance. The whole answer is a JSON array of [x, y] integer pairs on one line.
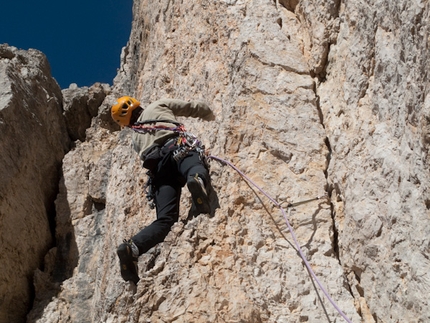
[[289, 206], [188, 142], [184, 143]]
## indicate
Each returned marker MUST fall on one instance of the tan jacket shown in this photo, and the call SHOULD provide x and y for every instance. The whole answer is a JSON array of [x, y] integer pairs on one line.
[[166, 109]]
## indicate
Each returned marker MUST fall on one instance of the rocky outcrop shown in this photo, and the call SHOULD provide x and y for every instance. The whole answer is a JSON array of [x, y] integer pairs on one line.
[[36, 133], [32, 146], [81, 105], [311, 99]]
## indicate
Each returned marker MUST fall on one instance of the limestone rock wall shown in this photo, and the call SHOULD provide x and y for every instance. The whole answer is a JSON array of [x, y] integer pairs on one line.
[[32, 145], [312, 98], [241, 264], [374, 99]]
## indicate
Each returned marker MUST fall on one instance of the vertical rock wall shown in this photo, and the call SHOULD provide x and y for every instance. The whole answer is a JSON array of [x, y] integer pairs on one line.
[[310, 98], [33, 143], [375, 103], [246, 60]]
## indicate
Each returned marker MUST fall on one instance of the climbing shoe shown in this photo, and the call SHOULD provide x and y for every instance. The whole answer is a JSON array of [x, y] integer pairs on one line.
[[199, 195], [128, 253]]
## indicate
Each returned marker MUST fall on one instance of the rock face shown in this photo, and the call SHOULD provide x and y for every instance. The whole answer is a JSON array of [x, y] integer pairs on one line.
[[375, 102], [312, 99], [377, 122], [32, 146], [80, 106]]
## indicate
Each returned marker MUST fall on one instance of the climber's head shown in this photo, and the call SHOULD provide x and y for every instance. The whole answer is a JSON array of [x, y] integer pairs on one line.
[[122, 111]]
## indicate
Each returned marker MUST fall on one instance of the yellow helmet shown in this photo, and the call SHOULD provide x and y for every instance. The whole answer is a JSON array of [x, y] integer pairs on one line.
[[121, 111]]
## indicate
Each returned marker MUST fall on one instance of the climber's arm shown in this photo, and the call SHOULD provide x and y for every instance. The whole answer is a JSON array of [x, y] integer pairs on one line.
[[195, 109]]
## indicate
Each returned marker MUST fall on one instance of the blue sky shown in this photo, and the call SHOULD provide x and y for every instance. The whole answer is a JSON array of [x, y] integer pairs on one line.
[[82, 38]]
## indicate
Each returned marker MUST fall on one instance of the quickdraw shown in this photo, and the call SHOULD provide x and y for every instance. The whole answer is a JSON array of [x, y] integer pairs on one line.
[[186, 143]]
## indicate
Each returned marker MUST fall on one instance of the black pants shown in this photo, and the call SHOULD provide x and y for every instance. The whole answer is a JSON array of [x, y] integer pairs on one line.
[[169, 179]]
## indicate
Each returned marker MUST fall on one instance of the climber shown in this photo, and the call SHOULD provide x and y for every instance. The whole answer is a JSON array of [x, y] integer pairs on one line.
[[172, 161]]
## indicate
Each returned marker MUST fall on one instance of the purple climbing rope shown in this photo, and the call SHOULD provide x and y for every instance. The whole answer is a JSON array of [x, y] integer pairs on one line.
[[292, 234]]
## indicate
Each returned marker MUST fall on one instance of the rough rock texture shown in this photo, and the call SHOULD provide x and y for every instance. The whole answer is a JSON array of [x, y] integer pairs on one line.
[[32, 146], [375, 100], [81, 105], [310, 98]]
